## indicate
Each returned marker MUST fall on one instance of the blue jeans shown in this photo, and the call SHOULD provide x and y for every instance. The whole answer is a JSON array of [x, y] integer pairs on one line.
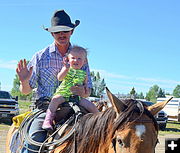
[[36, 133]]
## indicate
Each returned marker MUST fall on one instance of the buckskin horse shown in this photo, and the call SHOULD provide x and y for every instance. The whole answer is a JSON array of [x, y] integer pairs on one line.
[[127, 127]]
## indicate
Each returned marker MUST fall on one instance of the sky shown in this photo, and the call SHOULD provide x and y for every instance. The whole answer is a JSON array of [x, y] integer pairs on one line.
[[132, 43]]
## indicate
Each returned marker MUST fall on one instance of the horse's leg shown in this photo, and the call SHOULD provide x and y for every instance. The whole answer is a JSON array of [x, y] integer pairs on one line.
[[10, 134]]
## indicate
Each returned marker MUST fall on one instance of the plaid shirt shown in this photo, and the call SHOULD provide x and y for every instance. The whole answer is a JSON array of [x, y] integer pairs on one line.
[[46, 65]]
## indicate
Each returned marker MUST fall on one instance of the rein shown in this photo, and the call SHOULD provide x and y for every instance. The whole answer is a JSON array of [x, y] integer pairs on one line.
[[23, 131]]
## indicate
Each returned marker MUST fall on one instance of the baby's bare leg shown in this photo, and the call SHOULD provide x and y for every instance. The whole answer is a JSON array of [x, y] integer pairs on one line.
[[55, 102], [88, 105]]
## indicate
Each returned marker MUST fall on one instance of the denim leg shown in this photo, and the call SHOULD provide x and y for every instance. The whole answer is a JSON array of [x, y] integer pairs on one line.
[[36, 133]]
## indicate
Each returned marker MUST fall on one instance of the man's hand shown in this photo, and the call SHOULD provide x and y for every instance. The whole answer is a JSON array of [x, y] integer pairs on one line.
[[80, 91], [23, 73], [24, 76]]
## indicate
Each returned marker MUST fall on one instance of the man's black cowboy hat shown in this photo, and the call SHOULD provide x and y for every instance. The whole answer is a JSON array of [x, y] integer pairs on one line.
[[61, 21]]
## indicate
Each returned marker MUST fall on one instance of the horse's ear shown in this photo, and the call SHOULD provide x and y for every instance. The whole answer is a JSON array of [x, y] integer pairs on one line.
[[117, 104], [154, 109]]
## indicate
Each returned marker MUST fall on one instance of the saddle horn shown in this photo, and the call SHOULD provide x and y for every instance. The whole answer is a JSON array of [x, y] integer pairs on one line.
[[118, 105]]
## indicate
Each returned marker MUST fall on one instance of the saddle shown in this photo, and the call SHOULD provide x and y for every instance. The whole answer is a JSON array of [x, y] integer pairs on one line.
[[66, 116], [65, 110]]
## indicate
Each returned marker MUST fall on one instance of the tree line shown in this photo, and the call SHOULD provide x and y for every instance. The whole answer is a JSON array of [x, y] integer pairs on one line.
[[155, 92], [98, 89]]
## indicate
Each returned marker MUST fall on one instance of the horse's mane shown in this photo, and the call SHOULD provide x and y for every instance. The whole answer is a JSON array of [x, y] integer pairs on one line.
[[96, 129]]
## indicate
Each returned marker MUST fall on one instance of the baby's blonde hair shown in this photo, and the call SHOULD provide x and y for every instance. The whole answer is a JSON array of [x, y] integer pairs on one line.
[[76, 48]]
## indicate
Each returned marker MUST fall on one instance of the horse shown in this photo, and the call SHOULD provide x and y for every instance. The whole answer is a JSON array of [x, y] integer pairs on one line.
[[126, 127], [102, 105]]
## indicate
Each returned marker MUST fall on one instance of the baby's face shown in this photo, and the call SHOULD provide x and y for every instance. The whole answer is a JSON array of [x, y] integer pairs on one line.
[[76, 59]]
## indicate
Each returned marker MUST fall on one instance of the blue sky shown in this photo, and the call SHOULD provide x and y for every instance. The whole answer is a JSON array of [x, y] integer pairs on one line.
[[132, 43]]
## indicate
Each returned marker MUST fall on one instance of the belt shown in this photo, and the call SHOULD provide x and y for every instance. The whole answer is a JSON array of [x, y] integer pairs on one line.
[[42, 103]]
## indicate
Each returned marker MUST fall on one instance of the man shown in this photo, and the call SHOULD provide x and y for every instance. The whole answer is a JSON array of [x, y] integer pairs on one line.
[[41, 72]]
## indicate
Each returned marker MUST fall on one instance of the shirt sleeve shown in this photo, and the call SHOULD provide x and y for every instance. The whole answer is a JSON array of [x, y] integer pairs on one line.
[[34, 76], [86, 68]]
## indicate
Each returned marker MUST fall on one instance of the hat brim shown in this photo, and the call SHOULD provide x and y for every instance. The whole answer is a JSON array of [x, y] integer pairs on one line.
[[59, 28]]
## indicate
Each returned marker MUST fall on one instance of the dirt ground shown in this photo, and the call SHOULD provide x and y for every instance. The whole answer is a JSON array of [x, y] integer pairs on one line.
[[3, 133], [160, 148]]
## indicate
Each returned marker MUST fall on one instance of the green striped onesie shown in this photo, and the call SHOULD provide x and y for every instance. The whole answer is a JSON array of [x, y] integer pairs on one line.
[[72, 78]]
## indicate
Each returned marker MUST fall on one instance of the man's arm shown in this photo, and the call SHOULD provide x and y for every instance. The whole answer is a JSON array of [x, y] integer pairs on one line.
[[25, 87], [87, 90]]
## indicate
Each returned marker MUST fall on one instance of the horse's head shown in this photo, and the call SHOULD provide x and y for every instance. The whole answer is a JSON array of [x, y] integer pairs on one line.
[[135, 128]]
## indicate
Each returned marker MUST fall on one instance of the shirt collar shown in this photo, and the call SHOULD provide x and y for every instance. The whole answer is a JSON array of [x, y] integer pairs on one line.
[[53, 48]]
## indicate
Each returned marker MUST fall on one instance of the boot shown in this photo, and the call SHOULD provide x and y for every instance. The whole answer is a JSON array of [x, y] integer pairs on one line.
[[48, 122]]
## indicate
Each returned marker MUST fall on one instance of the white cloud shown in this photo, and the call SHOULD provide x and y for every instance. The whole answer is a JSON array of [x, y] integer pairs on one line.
[[159, 80], [105, 74], [124, 83], [8, 64]]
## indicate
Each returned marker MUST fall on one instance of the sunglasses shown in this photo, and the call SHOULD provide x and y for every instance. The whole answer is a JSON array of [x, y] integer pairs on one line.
[[61, 31]]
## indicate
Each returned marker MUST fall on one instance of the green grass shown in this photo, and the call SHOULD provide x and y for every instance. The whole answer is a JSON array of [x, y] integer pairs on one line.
[[172, 127], [4, 125], [24, 106]]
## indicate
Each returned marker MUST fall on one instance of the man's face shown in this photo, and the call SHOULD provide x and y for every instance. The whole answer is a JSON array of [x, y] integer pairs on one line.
[[62, 37]]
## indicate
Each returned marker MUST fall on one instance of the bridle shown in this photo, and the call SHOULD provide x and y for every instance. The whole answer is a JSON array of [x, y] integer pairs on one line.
[[142, 111]]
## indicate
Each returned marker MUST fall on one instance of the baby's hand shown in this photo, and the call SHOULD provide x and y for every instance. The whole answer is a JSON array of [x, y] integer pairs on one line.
[[66, 62]]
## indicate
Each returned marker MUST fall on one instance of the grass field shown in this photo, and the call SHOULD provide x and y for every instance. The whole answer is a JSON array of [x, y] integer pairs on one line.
[[24, 106], [172, 127]]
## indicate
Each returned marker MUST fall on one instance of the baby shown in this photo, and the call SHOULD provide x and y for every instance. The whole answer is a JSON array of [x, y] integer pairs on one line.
[[70, 75]]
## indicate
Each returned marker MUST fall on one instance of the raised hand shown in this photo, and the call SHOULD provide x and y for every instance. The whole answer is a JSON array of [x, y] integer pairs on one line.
[[65, 62], [23, 73]]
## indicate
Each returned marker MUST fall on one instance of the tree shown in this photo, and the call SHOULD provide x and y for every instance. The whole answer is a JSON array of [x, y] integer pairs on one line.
[[16, 92], [176, 91], [151, 95], [155, 92], [16, 84], [140, 96], [161, 93], [133, 93], [98, 84]]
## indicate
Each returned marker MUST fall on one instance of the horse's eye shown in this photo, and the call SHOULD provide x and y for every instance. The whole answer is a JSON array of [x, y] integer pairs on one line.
[[120, 142]]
